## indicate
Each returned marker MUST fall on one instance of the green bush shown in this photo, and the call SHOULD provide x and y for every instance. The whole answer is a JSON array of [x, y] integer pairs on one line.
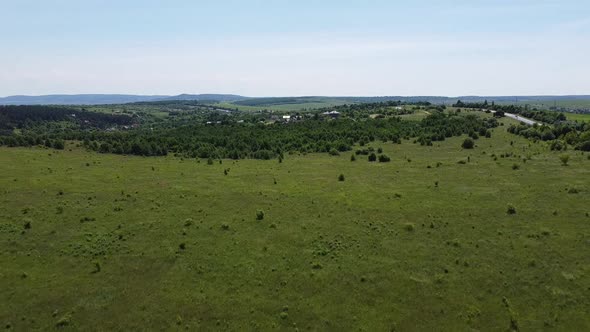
[[564, 159], [468, 143], [511, 209], [384, 159]]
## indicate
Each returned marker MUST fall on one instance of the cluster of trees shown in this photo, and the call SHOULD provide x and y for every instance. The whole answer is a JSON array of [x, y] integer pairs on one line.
[[559, 136], [234, 140], [259, 141], [31, 115], [32, 140]]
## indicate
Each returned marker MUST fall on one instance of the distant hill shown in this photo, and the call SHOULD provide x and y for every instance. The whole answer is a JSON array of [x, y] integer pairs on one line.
[[98, 99], [208, 97]]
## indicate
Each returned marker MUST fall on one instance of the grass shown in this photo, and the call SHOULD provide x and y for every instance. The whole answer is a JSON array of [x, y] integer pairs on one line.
[[168, 243], [578, 117]]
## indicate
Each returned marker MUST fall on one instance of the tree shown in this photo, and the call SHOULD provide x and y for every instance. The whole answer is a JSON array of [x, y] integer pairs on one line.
[[341, 177], [58, 144], [105, 148], [372, 157], [468, 144]]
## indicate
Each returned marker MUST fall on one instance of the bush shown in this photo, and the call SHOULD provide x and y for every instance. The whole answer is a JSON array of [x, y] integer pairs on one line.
[[573, 191], [334, 152], [341, 177], [372, 157], [515, 167], [468, 144], [409, 227], [384, 159], [511, 209], [259, 215], [584, 146], [352, 158], [379, 150], [564, 159]]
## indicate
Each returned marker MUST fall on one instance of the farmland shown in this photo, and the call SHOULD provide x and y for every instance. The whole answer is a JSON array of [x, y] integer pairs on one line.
[[440, 238]]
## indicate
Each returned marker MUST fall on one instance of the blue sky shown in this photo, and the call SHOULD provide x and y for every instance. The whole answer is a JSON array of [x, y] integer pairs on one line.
[[271, 48]]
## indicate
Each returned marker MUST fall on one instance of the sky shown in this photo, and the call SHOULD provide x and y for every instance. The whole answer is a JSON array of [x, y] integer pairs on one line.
[[295, 48]]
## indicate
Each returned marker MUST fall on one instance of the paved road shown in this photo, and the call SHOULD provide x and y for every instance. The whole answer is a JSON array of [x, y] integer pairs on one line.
[[521, 119]]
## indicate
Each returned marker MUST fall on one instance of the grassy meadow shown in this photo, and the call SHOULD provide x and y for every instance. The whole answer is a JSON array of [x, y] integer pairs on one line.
[[578, 117], [105, 242]]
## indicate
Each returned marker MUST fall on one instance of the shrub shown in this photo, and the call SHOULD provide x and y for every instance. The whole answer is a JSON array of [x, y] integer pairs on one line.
[[384, 159], [210, 161], [379, 150], [468, 144], [259, 215], [409, 227], [511, 209], [372, 157], [96, 267], [225, 227], [334, 152], [316, 266], [352, 158], [564, 159], [341, 177], [182, 246], [584, 146], [64, 321], [515, 167]]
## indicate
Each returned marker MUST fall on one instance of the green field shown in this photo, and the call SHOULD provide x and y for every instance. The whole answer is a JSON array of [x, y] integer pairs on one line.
[[578, 117], [285, 107], [123, 243]]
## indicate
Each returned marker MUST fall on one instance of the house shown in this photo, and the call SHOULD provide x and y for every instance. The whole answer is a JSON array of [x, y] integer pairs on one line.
[[332, 114], [286, 118]]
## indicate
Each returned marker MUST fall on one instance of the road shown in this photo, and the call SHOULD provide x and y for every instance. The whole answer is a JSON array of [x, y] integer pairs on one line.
[[520, 118]]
